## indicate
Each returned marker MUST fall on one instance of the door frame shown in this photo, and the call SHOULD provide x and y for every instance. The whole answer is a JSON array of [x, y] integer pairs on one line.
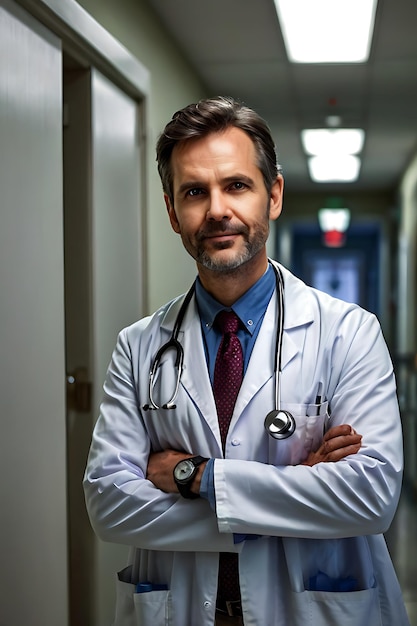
[[91, 44]]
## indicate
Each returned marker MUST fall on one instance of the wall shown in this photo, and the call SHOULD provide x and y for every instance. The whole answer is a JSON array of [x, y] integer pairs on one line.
[[173, 85], [407, 262], [33, 518]]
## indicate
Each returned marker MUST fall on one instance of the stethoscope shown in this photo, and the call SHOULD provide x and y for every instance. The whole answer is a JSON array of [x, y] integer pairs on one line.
[[278, 423]]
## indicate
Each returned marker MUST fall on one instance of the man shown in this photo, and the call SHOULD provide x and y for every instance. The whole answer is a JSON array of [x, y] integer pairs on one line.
[[281, 530]]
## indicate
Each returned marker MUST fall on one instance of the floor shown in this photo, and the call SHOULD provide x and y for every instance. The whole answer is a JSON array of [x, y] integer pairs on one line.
[[402, 543]]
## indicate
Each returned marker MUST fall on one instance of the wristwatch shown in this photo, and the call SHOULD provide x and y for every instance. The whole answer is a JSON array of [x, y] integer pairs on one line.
[[184, 474]]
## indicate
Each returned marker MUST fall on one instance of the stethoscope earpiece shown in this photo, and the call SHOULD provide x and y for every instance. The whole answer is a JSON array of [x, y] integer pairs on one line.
[[169, 405], [279, 424]]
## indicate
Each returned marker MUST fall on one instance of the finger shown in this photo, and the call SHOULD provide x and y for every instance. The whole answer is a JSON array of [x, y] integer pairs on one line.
[[341, 442], [341, 453], [336, 431]]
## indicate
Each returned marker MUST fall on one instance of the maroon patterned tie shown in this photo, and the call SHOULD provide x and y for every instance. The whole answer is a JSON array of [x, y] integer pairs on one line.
[[228, 370], [228, 374]]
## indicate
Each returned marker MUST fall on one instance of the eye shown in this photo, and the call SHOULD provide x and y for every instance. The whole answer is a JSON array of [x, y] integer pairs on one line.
[[238, 186], [196, 191]]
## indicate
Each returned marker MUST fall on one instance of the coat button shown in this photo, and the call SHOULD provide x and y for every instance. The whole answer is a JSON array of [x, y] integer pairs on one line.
[[235, 442], [207, 604]]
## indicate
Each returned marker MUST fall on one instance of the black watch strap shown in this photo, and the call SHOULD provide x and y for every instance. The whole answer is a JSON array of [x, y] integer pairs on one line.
[[184, 487]]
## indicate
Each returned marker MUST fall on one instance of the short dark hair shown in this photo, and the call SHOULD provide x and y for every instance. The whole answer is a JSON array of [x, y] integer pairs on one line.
[[210, 116]]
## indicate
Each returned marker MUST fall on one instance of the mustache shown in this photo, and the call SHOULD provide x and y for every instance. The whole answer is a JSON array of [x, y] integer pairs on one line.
[[215, 229]]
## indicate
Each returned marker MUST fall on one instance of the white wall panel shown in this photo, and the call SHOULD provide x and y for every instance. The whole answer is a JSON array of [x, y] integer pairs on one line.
[[33, 588]]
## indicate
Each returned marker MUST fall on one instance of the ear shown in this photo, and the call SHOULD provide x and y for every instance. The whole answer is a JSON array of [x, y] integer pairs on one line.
[[277, 192], [172, 215]]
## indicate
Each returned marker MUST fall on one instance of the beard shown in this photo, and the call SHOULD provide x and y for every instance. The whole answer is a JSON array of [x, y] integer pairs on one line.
[[252, 245]]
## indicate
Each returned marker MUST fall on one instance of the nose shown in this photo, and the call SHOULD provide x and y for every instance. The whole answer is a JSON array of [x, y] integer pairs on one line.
[[218, 208]]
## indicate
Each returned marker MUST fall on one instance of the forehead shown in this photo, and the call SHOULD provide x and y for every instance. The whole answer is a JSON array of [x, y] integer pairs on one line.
[[220, 151]]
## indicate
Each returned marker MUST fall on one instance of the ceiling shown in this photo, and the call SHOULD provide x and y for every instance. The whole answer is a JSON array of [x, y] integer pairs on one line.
[[236, 48]]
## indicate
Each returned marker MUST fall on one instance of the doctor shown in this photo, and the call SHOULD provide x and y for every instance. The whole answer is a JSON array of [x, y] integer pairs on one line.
[[254, 529]]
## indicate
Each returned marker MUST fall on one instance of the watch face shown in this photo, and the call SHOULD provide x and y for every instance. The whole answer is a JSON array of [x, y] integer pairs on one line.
[[184, 470]]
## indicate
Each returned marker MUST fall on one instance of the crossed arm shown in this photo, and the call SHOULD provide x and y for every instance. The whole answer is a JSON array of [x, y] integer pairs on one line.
[[338, 443]]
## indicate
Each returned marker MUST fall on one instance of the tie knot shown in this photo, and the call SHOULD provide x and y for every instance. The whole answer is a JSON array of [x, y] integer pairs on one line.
[[227, 321]]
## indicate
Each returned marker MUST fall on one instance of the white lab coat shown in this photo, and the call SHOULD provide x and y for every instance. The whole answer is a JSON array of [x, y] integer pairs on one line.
[[302, 513]]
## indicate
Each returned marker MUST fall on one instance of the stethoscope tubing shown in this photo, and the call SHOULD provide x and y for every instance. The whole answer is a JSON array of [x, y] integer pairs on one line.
[[278, 423], [171, 344]]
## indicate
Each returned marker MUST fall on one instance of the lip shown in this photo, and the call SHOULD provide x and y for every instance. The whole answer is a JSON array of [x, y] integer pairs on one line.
[[228, 236], [221, 236]]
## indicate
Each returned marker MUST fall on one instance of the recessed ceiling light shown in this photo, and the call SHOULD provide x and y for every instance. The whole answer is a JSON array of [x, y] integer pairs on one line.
[[325, 141], [334, 169], [327, 31]]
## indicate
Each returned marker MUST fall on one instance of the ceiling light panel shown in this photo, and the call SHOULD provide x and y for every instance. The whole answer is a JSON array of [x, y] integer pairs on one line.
[[327, 31], [324, 141], [342, 169]]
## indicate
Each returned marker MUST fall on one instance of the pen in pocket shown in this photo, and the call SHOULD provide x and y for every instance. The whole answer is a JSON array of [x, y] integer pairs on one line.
[[319, 398], [145, 587]]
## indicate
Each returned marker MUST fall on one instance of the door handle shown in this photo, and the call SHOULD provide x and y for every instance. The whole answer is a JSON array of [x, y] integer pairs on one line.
[[79, 390]]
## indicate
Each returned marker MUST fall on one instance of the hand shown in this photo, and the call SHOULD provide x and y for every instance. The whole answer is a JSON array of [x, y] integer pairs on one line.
[[161, 467], [338, 442]]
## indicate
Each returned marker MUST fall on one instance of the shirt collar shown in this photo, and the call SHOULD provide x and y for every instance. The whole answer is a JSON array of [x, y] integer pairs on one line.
[[250, 307]]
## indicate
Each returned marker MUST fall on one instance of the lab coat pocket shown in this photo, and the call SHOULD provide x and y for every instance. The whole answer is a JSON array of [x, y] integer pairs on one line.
[[332, 582], [140, 609], [311, 423], [325, 608]]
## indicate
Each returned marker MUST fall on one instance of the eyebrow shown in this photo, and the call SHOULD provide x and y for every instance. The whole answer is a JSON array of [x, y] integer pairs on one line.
[[190, 185], [227, 180]]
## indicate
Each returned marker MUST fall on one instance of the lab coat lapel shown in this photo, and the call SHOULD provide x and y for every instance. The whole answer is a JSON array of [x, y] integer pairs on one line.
[[195, 377], [261, 363], [297, 316]]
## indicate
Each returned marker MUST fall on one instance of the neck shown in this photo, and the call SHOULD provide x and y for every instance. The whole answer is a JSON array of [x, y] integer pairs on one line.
[[228, 286]]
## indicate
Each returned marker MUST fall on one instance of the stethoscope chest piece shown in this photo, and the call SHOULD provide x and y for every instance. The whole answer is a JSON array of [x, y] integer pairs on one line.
[[279, 424]]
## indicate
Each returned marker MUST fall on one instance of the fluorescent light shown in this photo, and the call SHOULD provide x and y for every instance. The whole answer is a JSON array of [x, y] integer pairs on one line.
[[321, 141], [327, 31], [334, 219], [332, 152], [324, 169]]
